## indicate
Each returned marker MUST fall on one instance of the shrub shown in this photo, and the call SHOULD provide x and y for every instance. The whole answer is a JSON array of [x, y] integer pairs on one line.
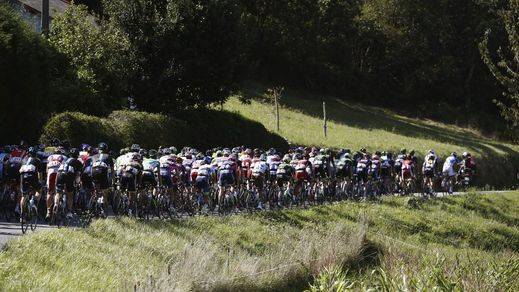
[[203, 129]]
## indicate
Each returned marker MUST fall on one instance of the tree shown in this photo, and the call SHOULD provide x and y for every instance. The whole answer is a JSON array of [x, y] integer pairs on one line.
[[29, 77], [506, 68], [98, 52], [182, 53]]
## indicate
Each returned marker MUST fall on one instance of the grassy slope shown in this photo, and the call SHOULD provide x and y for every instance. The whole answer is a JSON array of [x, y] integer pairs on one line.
[[355, 126], [456, 238]]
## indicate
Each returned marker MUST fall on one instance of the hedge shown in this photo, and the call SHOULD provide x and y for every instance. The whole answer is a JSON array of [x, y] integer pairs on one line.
[[203, 129]]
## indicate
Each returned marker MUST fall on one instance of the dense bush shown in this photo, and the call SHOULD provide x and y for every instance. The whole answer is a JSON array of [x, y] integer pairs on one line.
[[204, 129]]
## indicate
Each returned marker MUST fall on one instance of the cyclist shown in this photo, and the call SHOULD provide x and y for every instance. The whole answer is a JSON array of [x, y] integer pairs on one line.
[[408, 172], [227, 173], [386, 171], [68, 174], [374, 167], [259, 176], [273, 160], [31, 173], [102, 170], [467, 166], [54, 162], [130, 174], [150, 171], [284, 175], [167, 168], [361, 170], [12, 168], [345, 165], [429, 168], [399, 161], [448, 171]]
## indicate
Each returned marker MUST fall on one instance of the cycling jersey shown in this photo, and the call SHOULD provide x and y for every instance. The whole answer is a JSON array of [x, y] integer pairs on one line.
[[448, 166], [398, 162], [407, 168], [150, 165], [29, 174], [374, 167], [385, 166]]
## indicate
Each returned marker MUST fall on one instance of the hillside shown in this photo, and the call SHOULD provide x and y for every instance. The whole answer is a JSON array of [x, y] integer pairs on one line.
[[352, 125], [406, 242]]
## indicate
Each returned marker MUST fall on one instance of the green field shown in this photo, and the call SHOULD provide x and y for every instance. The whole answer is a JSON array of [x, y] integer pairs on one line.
[[466, 242], [353, 126]]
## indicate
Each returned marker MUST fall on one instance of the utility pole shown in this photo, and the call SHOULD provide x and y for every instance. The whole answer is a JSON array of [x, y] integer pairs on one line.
[[45, 17], [277, 110], [324, 119]]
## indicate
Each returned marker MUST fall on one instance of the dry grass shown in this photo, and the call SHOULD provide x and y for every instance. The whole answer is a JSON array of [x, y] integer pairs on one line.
[[290, 264]]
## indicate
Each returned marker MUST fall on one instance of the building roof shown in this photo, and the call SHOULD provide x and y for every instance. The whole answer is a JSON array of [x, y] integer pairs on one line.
[[55, 6]]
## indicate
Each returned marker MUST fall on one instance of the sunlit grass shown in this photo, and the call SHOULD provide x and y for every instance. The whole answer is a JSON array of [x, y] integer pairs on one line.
[[239, 252]]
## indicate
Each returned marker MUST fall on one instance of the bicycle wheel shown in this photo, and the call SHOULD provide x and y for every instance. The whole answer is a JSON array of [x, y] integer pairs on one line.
[[25, 218], [33, 218]]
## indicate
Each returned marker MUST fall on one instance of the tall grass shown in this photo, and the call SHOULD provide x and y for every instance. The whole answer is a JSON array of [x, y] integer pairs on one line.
[[457, 236], [288, 265]]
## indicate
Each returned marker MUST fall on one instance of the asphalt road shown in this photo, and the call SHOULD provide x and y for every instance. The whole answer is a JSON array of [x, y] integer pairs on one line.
[[10, 230]]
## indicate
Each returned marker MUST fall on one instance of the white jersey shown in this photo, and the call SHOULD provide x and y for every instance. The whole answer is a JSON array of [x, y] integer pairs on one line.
[[448, 165], [260, 167], [54, 162], [204, 170]]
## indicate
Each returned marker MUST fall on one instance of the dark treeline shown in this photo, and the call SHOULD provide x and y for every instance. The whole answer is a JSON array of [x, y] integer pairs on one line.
[[421, 58]]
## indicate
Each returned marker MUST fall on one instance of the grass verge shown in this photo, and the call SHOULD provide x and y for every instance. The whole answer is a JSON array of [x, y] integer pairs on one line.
[[401, 240]]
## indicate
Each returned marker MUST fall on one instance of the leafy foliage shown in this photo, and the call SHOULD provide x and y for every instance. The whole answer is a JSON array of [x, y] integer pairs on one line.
[[97, 53], [35, 79], [506, 69]]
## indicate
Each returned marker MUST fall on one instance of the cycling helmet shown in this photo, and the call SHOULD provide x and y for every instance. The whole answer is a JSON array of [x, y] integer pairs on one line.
[[173, 149], [102, 147], [298, 156], [465, 154], [219, 153], [362, 150], [58, 150], [378, 153], [23, 144], [384, 153], [322, 151], [199, 156], [347, 150], [166, 151], [263, 157], [286, 158], [248, 151], [207, 160], [454, 154], [152, 153], [32, 151], [73, 152], [411, 152], [123, 151], [143, 152], [403, 151], [431, 151]]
